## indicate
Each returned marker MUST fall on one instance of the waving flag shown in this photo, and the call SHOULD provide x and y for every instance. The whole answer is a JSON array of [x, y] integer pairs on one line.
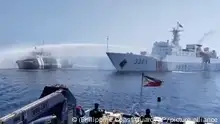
[[179, 25], [150, 82]]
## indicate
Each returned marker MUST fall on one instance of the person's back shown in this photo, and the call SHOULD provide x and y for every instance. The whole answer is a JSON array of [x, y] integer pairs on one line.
[[95, 114], [147, 119], [201, 121]]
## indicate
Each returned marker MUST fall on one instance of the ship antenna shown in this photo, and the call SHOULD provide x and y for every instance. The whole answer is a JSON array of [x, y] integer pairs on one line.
[[42, 48], [107, 43], [176, 36]]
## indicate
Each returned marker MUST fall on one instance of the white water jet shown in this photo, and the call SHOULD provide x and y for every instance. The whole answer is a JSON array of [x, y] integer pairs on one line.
[[82, 55]]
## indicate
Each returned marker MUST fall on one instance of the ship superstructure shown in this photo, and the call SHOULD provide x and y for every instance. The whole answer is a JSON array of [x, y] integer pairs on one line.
[[168, 56]]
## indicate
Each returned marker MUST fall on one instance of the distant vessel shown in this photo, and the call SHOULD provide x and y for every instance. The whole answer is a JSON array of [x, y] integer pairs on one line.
[[166, 56], [38, 60], [65, 63]]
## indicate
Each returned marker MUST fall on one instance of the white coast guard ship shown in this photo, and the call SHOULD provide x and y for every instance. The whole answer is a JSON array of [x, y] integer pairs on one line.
[[168, 56]]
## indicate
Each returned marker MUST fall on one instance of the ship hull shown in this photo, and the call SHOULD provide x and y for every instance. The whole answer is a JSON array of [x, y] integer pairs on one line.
[[37, 63], [27, 65], [130, 62]]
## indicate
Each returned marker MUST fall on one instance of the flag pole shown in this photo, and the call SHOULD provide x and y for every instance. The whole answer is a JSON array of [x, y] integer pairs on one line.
[[141, 93]]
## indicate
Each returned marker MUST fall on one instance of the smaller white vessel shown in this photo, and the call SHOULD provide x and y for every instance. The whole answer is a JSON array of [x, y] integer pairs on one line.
[[38, 60], [42, 60]]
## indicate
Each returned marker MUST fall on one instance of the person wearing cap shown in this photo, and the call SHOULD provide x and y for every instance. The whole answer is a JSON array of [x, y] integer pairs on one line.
[[95, 114], [158, 99], [201, 121], [147, 119], [158, 107]]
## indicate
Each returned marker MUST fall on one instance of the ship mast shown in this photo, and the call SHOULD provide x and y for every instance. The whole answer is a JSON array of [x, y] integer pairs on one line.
[[176, 35], [42, 48], [107, 43]]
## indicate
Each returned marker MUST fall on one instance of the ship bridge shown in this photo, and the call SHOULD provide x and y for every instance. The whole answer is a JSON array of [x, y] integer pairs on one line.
[[161, 48]]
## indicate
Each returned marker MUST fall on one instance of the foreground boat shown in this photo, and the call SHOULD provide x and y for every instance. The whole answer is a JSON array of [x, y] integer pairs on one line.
[[168, 56], [57, 105]]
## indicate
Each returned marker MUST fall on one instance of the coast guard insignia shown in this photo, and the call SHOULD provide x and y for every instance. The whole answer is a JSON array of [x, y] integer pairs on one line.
[[123, 63]]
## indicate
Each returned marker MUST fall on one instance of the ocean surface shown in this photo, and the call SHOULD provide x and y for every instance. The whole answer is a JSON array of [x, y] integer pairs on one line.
[[183, 94]]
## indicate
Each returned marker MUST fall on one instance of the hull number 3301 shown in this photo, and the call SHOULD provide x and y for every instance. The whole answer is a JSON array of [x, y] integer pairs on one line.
[[140, 61]]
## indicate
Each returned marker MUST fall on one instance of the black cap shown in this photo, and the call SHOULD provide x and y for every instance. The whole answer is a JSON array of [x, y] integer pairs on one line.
[[96, 105], [147, 110]]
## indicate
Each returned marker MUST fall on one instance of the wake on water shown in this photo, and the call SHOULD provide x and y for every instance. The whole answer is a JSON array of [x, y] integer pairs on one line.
[[82, 55], [182, 72]]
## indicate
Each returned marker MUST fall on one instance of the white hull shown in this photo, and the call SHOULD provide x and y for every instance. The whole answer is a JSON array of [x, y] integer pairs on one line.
[[169, 56], [130, 62]]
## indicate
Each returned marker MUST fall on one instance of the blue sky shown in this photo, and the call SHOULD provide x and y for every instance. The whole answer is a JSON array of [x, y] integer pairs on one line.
[[127, 22]]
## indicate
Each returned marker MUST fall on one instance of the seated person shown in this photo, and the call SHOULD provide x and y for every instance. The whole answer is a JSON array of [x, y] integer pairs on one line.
[[201, 121], [95, 114], [147, 119]]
